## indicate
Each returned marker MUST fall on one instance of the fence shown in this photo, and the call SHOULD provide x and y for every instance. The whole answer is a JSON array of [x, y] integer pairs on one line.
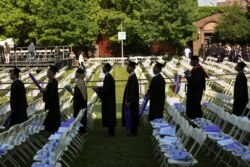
[[41, 53]]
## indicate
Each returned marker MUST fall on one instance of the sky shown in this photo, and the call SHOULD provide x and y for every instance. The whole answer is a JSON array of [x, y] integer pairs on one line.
[[209, 2]]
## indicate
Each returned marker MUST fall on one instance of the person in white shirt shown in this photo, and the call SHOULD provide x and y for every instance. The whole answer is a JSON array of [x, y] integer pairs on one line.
[[187, 52], [7, 53], [81, 59], [31, 51]]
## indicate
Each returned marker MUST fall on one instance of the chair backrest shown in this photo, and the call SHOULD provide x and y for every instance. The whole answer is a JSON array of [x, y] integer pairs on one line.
[[3, 137], [246, 110], [233, 119], [199, 139], [248, 105], [12, 134]]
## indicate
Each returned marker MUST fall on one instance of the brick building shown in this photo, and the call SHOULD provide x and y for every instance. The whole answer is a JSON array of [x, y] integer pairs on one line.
[[206, 27], [245, 4]]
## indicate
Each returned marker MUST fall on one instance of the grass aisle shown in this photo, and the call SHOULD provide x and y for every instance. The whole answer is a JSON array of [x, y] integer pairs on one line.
[[100, 150]]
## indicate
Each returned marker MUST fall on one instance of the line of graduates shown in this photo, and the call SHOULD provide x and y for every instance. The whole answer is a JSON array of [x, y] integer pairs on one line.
[[156, 93], [18, 101], [106, 93], [196, 85]]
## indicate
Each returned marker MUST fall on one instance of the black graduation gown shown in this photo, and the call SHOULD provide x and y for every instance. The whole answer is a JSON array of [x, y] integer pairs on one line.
[[51, 99], [18, 103], [196, 86], [78, 104], [131, 95], [240, 94], [157, 97], [107, 95]]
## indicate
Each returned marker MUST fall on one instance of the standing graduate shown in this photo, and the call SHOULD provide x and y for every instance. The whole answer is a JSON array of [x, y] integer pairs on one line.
[[196, 85], [156, 93], [18, 101], [107, 95], [240, 90], [51, 99], [131, 100], [80, 98]]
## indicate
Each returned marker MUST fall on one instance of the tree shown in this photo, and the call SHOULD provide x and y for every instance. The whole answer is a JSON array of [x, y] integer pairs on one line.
[[83, 22], [234, 27], [148, 21], [18, 19], [64, 22]]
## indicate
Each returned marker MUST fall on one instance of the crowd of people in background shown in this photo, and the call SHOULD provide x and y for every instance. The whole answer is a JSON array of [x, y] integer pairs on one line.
[[233, 53]]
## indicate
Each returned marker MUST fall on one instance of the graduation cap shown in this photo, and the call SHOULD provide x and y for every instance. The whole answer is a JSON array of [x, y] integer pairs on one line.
[[132, 64], [80, 71], [196, 58], [241, 64], [53, 68], [108, 66], [159, 65], [16, 71]]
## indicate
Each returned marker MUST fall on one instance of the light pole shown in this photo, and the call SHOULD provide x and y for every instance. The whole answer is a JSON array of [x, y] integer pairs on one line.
[[121, 37], [122, 53]]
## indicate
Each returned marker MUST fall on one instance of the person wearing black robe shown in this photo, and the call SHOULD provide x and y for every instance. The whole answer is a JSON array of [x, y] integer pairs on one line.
[[240, 90], [131, 99], [156, 93], [107, 95], [18, 101], [51, 98], [80, 98], [196, 84]]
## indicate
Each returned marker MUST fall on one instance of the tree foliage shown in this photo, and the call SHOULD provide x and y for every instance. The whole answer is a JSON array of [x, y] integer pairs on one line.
[[234, 27], [83, 22]]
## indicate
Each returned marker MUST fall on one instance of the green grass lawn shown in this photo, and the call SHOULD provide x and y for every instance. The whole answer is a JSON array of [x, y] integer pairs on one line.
[[100, 150]]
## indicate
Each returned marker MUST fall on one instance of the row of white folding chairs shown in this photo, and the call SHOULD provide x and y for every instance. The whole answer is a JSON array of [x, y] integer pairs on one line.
[[19, 140], [241, 123], [177, 144], [71, 142], [239, 129], [58, 142], [33, 108], [226, 68], [220, 99]]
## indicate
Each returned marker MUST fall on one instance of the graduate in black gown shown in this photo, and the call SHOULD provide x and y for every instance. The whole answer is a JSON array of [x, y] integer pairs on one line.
[[240, 90], [196, 84], [51, 99], [156, 93], [107, 95], [18, 101], [80, 98], [131, 99]]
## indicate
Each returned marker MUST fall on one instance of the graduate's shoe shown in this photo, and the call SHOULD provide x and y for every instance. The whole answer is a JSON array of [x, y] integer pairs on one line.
[[111, 131], [132, 134]]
